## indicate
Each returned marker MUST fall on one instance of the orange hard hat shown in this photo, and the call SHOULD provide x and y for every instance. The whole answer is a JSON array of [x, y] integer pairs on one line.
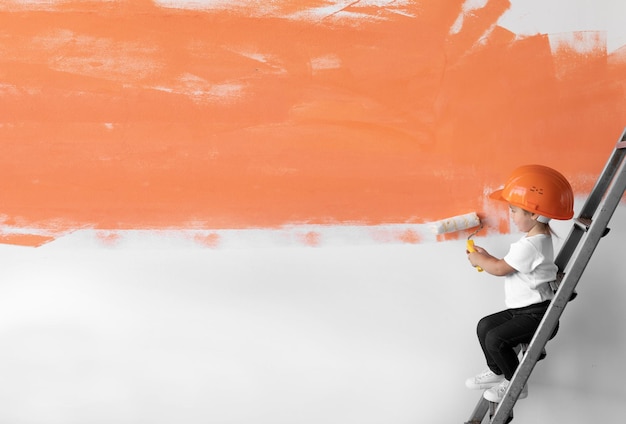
[[538, 189]]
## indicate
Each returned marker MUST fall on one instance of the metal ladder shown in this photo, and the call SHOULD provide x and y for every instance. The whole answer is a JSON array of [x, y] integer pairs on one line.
[[572, 259]]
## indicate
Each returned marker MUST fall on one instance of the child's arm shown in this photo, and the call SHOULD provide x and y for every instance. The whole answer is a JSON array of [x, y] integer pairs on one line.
[[491, 264]]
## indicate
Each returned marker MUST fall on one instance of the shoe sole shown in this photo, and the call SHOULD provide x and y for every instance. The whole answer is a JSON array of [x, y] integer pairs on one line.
[[483, 386], [486, 395]]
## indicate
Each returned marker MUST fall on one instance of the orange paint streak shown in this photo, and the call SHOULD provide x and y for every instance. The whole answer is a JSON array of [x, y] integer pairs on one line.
[[108, 238], [210, 240], [127, 115], [30, 240], [311, 238], [410, 237]]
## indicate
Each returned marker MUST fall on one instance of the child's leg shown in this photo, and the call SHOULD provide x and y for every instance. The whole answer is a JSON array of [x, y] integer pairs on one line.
[[485, 326], [499, 341]]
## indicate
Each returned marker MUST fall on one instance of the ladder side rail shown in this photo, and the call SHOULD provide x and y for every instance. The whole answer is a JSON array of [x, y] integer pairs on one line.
[[538, 342], [590, 207], [606, 177], [562, 296], [481, 409], [569, 247], [591, 203]]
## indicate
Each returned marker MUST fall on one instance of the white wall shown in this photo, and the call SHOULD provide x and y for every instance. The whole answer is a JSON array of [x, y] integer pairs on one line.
[[155, 331], [380, 333]]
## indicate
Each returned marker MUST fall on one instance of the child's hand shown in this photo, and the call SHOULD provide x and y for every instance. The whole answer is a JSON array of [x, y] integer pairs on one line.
[[492, 265], [475, 256], [479, 249]]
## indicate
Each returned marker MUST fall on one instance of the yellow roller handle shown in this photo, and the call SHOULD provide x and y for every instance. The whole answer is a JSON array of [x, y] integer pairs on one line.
[[470, 248]]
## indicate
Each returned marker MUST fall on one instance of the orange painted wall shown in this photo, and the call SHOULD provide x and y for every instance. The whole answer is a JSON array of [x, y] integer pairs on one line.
[[127, 115]]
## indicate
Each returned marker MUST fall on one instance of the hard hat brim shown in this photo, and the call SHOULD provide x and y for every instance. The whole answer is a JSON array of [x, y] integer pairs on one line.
[[497, 195]]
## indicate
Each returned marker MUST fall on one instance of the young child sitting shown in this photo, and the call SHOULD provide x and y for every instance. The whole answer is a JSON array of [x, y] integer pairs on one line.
[[535, 194]]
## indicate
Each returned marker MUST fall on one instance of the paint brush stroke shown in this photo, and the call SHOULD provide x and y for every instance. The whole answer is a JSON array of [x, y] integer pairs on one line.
[[140, 115], [29, 240]]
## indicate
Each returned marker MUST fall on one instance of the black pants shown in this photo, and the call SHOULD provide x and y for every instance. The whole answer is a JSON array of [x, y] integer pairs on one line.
[[501, 332]]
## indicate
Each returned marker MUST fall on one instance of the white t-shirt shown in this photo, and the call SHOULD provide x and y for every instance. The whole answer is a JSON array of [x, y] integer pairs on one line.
[[533, 259]]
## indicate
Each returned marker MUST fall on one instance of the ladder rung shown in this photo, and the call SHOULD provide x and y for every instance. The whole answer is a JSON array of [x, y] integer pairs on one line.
[[583, 223]]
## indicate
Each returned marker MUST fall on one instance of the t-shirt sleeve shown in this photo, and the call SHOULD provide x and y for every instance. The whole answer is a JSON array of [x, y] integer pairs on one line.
[[523, 256]]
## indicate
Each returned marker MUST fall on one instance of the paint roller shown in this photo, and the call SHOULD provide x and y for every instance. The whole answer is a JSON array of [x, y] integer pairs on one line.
[[458, 223]]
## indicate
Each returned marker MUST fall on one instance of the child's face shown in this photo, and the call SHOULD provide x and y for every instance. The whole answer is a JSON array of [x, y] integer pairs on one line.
[[523, 219]]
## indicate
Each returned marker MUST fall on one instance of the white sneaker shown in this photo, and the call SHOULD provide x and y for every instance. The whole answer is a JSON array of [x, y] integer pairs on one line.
[[496, 393], [485, 380]]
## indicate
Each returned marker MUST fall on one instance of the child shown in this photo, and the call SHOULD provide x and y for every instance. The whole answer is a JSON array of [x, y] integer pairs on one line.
[[535, 194]]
